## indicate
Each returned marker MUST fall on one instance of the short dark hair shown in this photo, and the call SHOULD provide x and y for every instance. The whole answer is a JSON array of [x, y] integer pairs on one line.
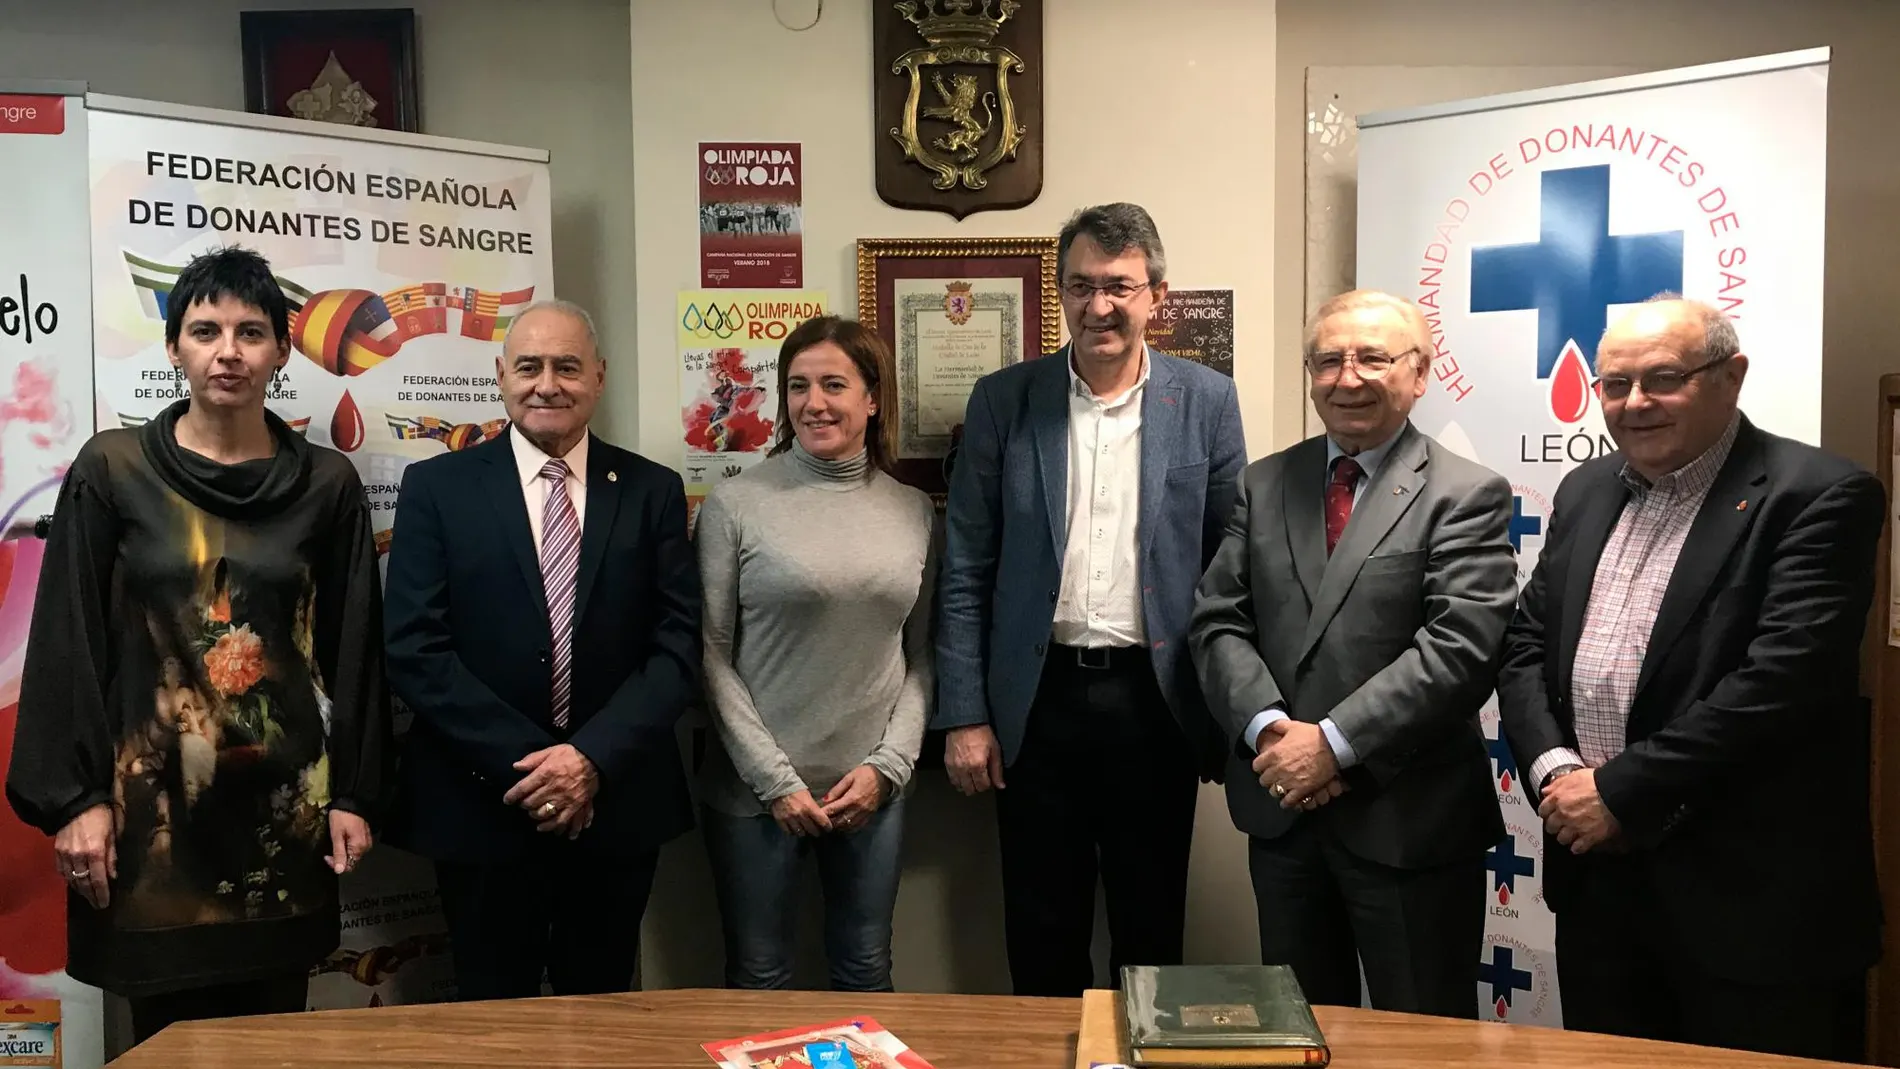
[[875, 365], [232, 271], [1116, 228]]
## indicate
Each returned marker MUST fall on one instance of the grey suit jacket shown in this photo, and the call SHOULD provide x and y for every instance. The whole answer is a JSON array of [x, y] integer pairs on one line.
[[1395, 637], [1006, 528]]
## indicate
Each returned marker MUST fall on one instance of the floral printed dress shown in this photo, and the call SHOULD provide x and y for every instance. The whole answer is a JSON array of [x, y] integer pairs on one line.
[[206, 658]]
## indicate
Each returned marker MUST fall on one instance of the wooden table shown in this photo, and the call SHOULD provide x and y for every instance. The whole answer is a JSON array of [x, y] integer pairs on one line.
[[665, 1028]]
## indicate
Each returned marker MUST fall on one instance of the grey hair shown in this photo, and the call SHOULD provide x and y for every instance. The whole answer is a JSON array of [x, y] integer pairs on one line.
[[1355, 299], [1116, 228], [555, 304], [1719, 340]]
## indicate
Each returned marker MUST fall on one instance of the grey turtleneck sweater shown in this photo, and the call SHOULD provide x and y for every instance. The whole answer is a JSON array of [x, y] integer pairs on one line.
[[818, 578]]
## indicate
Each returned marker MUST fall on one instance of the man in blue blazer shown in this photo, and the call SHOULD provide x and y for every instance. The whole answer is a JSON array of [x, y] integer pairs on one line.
[[1089, 493], [542, 618]]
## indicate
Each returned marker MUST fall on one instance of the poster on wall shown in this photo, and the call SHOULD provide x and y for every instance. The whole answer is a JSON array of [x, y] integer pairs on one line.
[[729, 348], [46, 414], [1522, 226], [1196, 325], [404, 260], [751, 219]]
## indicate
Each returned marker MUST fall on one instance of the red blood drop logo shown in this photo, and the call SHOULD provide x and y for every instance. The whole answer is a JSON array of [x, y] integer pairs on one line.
[[1504, 895], [1570, 385], [1503, 1008], [1504, 782], [346, 426]]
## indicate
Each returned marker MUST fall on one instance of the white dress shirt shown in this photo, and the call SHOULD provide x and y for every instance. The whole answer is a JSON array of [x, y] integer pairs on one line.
[[1369, 461], [529, 460], [1099, 603]]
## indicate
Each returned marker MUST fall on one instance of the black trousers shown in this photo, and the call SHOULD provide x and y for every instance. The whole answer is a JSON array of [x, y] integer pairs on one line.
[[1104, 785], [575, 916], [286, 992], [1326, 911], [1621, 970]]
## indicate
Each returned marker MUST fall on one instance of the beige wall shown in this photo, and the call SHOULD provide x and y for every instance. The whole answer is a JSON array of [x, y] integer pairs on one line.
[[1863, 194], [550, 74], [1177, 126], [1164, 104]]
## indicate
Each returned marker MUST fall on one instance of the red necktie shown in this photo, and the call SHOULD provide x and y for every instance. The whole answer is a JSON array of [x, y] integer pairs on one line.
[[1346, 472]]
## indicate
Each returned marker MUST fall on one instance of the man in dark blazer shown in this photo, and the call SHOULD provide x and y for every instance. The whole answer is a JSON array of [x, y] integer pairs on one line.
[[1346, 636], [1086, 499], [1682, 681], [542, 616]]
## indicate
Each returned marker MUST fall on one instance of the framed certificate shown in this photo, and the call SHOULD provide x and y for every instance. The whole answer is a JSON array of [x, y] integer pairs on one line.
[[952, 311]]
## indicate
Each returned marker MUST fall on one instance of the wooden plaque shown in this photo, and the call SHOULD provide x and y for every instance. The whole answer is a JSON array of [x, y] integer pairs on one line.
[[958, 115]]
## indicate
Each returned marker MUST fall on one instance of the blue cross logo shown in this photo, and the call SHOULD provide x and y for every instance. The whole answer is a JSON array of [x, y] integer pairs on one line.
[[1522, 523], [1502, 760], [1504, 979], [1576, 269], [1506, 864]]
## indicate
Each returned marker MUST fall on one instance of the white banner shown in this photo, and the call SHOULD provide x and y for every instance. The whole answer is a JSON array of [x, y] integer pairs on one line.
[[1523, 225], [404, 259], [46, 1017]]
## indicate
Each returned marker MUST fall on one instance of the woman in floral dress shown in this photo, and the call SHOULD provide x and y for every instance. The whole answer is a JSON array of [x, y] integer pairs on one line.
[[203, 724]]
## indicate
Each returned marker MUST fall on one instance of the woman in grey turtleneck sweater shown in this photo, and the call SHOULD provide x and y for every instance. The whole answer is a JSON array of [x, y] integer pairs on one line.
[[818, 568]]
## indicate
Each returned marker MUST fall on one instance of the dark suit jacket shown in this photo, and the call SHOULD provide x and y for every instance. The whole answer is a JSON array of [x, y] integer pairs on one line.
[[468, 652], [1395, 637], [1005, 531], [1743, 789]]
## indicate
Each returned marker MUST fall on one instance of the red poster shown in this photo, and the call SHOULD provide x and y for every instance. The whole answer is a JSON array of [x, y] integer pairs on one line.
[[751, 232]]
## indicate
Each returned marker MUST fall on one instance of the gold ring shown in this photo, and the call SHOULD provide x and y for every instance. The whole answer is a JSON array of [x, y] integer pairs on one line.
[[1277, 790], [547, 809]]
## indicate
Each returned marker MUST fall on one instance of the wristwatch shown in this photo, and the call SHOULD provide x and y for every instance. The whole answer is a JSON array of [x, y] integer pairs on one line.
[[1554, 773]]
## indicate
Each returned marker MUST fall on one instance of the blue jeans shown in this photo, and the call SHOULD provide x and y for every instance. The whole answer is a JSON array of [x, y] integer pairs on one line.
[[755, 873]]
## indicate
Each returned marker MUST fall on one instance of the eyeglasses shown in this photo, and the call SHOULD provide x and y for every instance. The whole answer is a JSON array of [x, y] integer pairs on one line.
[[1370, 363], [1117, 291], [1660, 382]]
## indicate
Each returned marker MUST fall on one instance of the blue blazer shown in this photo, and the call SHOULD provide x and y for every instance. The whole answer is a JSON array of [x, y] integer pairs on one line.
[[1006, 529]]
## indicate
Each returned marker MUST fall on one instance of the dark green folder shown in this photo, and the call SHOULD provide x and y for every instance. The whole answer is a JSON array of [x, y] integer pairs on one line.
[[1218, 1016]]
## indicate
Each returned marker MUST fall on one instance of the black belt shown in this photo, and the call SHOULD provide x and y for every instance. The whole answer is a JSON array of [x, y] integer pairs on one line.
[[1098, 658]]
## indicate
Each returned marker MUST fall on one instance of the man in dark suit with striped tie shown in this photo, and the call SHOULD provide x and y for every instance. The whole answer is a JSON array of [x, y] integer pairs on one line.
[[542, 618]]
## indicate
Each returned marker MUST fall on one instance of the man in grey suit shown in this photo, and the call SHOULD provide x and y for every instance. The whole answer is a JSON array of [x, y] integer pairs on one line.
[[1346, 635], [1086, 500]]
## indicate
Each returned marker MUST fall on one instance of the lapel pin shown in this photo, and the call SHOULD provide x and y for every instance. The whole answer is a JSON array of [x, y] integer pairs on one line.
[[1742, 505], [613, 477]]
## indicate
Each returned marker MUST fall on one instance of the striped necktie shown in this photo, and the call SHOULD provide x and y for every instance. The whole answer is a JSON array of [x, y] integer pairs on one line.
[[560, 567]]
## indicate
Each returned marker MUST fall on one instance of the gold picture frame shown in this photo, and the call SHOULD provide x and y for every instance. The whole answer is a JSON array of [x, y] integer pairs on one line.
[[990, 302]]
